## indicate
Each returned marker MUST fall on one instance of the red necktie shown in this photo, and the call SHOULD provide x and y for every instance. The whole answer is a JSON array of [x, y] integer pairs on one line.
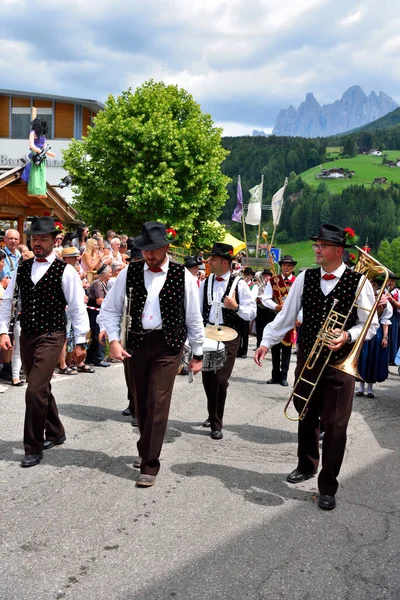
[[41, 260], [219, 279], [328, 276], [155, 270]]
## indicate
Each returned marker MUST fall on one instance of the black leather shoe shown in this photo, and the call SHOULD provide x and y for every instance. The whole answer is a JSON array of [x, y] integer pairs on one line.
[[272, 381], [30, 460], [284, 383], [126, 412], [206, 423], [296, 477], [217, 435], [47, 444], [326, 502], [134, 422]]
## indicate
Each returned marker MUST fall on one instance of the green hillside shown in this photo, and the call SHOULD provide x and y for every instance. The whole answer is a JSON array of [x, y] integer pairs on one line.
[[302, 252], [366, 168]]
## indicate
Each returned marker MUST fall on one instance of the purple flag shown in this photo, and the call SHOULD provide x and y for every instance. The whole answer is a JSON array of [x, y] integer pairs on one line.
[[237, 213]]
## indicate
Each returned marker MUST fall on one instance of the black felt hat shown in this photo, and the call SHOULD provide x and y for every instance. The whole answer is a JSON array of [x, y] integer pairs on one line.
[[224, 250], [248, 271], [190, 263], [347, 259], [152, 237], [134, 253], [288, 259], [41, 226], [266, 272], [332, 233]]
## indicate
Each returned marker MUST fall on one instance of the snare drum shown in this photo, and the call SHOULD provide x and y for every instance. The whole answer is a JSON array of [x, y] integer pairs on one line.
[[214, 355]]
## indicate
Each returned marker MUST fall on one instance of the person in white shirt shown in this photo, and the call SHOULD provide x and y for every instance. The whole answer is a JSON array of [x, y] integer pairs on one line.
[[315, 290], [164, 311], [44, 286], [225, 299]]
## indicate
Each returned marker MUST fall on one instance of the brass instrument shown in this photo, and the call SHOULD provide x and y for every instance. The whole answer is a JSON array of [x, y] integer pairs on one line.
[[279, 289], [369, 268], [126, 320]]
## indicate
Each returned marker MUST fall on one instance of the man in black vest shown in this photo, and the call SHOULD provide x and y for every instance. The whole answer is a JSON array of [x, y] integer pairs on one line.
[[164, 311], [273, 301], [221, 306], [315, 290], [44, 285]]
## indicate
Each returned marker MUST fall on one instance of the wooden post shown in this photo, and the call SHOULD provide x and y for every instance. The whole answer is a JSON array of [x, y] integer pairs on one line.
[[243, 222], [259, 225]]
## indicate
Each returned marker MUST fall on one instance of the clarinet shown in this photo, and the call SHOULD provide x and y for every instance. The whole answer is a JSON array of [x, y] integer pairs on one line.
[[126, 321]]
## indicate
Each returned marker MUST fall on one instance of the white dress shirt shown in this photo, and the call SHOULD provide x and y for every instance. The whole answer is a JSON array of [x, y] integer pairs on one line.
[[285, 320], [113, 305], [268, 297], [247, 304], [73, 291]]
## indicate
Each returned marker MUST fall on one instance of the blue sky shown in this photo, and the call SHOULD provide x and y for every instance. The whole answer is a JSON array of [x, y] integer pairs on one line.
[[243, 60]]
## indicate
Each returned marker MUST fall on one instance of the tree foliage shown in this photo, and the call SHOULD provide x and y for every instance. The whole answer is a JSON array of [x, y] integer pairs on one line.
[[152, 155], [389, 255]]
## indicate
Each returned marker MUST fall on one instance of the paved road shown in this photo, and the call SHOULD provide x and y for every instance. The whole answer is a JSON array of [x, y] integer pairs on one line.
[[221, 521]]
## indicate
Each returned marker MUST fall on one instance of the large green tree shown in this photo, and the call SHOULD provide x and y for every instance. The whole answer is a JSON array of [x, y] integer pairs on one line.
[[151, 155]]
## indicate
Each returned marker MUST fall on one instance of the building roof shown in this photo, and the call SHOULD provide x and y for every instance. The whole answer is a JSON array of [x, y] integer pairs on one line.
[[92, 105], [19, 196]]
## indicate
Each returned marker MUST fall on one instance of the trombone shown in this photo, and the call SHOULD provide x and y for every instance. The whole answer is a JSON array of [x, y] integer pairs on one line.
[[370, 268]]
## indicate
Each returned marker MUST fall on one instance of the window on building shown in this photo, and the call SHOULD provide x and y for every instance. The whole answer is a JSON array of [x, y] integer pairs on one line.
[[21, 121]]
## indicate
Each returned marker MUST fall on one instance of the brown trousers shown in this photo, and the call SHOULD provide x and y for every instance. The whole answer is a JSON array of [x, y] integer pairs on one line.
[[151, 374], [332, 403], [39, 355], [216, 386]]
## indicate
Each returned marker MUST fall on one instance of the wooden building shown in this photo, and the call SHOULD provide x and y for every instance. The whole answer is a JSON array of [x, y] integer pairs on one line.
[[16, 207]]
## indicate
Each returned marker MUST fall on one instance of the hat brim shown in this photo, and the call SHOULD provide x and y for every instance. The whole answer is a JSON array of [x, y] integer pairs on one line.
[[32, 232], [287, 262], [138, 242], [227, 256], [314, 238]]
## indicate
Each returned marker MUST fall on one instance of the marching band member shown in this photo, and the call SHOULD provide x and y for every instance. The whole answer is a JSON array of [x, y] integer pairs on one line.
[[394, 299], [219, 306], [45, 286], [314, 290], [164, 311], [264, 314], [373, 364], [281, 352], [248, 275]]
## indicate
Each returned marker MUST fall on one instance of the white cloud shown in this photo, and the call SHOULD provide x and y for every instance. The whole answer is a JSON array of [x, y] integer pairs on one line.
[[352, 18], [234, 129]]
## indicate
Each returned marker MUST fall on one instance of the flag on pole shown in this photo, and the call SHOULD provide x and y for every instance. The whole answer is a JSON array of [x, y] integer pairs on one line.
[[237, 213], [276, 203], [254, 211]]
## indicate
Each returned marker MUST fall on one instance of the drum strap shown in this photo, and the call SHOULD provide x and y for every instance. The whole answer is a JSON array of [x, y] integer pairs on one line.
[[219, 305]]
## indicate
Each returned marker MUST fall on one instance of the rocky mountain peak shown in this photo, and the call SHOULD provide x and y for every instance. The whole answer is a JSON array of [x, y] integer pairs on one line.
[[354, 109]]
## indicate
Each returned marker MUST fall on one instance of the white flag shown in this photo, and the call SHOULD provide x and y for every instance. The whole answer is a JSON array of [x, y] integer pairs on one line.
[[254, 211], [277, 202]]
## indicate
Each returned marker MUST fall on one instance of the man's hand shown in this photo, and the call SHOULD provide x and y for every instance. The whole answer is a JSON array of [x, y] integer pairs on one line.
[[195, 366], [230, 303], [5, 281], [5, 342], [102, 337], [117, 351], [259, 355], [278, 307], [340, 341], [79, 354]]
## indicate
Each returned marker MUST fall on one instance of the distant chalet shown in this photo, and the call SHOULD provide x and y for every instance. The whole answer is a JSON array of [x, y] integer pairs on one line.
[[380, 180], [370, 152], [338, 173], [392, 163]]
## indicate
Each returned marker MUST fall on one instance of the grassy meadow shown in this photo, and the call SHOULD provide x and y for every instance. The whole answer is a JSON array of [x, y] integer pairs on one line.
[[301, 251], [366, 168]]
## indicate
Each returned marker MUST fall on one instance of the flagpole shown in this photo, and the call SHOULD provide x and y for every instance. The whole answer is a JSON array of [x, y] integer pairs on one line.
[[243, 223], [279, 217], [259, 225]]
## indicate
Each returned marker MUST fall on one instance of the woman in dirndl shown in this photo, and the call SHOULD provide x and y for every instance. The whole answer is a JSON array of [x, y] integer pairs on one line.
[[35, 175], [373, 364], [394, 299]]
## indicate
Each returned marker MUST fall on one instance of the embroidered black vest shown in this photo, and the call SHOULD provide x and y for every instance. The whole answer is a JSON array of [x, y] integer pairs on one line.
[[42, 305], [316, 307], [231, 318], [172, 304]]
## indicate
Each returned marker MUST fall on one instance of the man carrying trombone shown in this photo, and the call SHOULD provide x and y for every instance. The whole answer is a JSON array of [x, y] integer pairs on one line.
[[316, 291]]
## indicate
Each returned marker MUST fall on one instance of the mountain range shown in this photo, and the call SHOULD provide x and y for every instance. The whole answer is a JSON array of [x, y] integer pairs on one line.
[[353, 110]]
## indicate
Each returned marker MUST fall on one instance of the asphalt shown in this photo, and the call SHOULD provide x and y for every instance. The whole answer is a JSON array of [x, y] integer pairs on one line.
[[221, 521]]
